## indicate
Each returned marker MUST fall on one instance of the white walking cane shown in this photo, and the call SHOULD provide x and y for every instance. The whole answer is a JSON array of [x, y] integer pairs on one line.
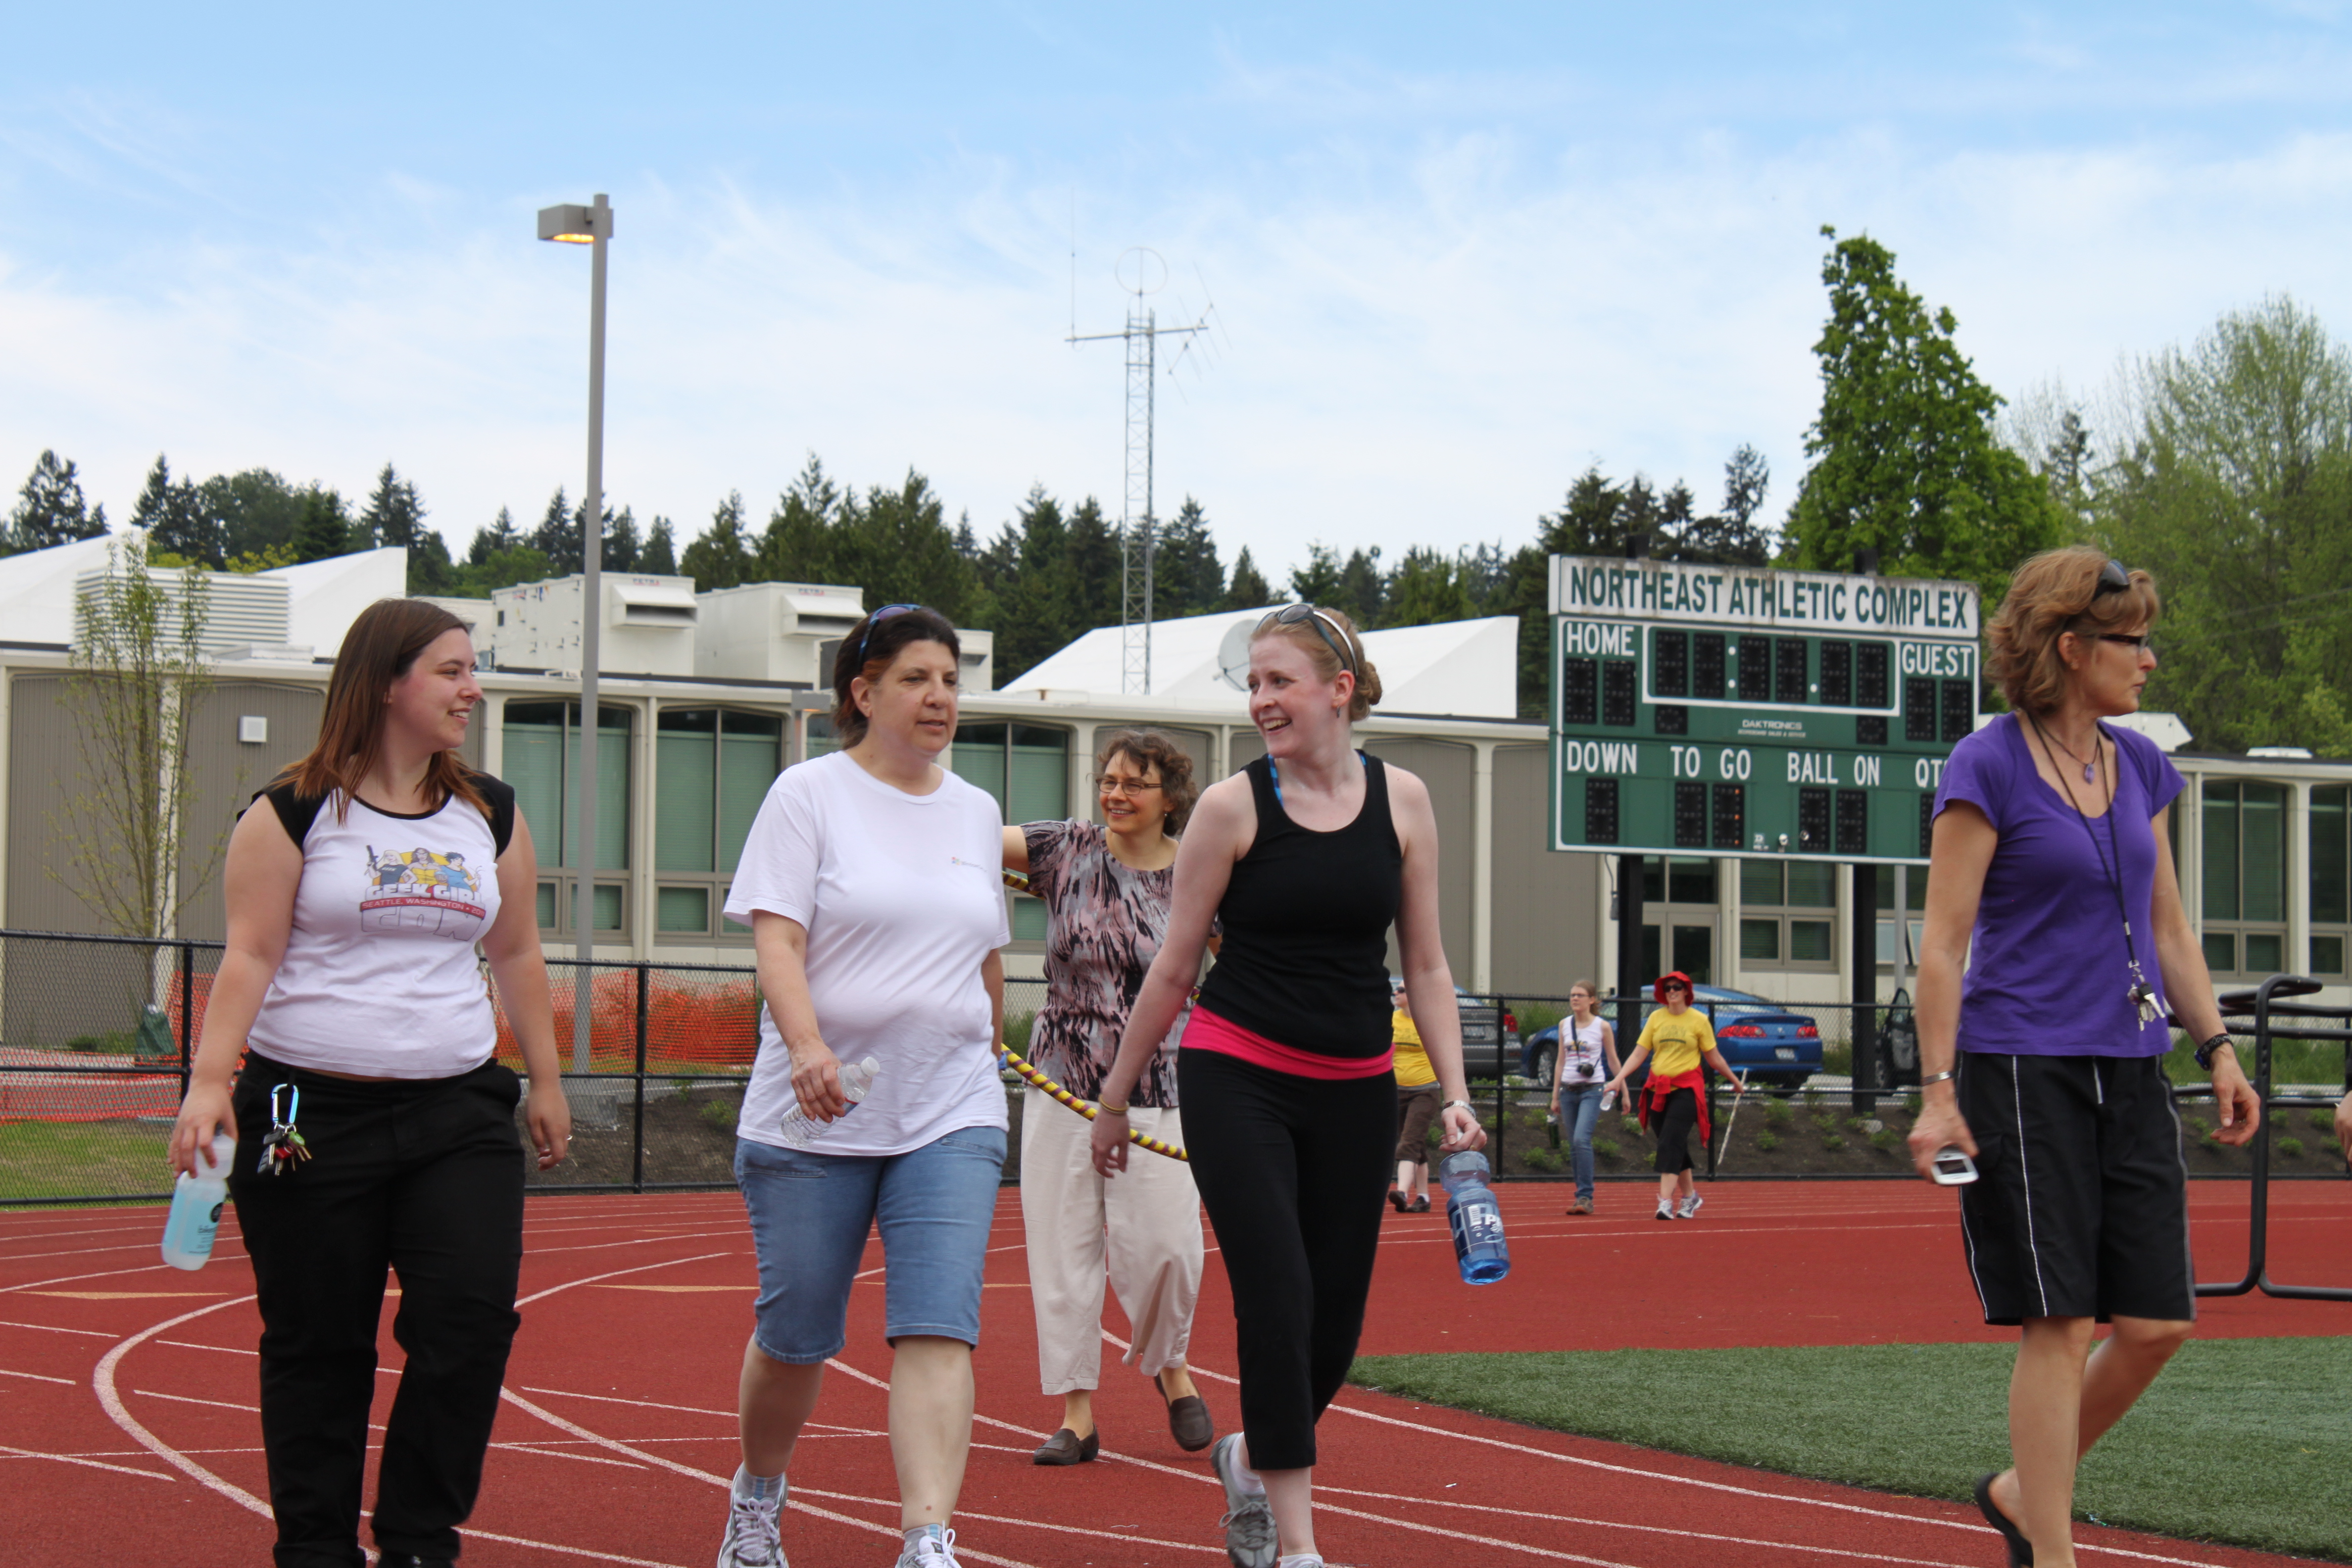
[[1738, 1094]]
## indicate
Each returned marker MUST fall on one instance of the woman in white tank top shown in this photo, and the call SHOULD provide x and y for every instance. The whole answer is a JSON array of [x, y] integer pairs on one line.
[[376, 1128], [1586, 1060]]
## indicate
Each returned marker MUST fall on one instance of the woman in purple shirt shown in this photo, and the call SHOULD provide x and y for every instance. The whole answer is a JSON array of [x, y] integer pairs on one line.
[[2053, 859]]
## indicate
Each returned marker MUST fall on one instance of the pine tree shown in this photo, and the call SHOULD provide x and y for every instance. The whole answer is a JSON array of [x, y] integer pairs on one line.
[[1427, 587], [659, 558], [719, 557], [498, 536], [557, 536], [1187, 578], [172, 512], [799, 544], [393, 516], [1095, 571], [323, 532], [1318, 582], [430, 570], [50, 509], [620, 548], [1360, 587], [1247, 589]]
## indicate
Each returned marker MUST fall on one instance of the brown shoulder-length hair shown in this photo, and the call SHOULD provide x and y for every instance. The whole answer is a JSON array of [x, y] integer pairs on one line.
[[871, 647], [1326, 662], [2053, 593], [1156, 749], [380, 646]]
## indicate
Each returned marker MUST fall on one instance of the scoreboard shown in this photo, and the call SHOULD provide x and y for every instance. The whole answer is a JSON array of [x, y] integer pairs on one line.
[[1743, 711]]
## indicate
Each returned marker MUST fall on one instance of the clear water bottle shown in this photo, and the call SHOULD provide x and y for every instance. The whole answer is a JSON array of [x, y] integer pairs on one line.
[[196, 1204], [801, 1131], [1475, 1217], [1608, 1099]]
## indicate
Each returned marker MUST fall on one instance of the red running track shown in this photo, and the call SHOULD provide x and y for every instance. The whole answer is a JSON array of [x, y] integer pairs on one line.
[[128, 1433]]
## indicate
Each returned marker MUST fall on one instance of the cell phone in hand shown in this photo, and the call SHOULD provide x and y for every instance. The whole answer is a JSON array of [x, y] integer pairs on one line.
[[1952, 1167]]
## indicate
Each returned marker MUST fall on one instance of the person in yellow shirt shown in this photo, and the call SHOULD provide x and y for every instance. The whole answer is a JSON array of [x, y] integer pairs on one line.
[[1675, 1098], [1416, 1107]]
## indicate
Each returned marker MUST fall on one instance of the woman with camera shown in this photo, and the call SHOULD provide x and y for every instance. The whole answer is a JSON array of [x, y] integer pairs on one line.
[[1587, 1044]]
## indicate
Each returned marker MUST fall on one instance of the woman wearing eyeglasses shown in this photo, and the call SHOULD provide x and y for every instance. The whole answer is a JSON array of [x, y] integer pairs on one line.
[[1106, 888], [2052, 861], [1307, 857], [871, 881]]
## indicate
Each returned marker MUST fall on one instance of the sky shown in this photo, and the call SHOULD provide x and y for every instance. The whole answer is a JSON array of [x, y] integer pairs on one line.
[[1448, 257]]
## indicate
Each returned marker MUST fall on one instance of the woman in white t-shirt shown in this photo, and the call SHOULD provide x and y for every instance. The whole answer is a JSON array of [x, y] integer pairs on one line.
[[872, 884], [376, 1128]]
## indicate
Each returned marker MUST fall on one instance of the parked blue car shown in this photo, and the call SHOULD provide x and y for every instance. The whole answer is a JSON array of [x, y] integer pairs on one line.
[[1775, 1048]]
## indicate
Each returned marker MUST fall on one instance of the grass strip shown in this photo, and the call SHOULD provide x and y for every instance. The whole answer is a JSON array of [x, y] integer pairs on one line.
[[2240, 1441]]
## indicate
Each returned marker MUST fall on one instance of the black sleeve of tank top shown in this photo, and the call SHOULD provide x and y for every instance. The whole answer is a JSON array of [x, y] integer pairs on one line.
[[501, 797], [295, 811]]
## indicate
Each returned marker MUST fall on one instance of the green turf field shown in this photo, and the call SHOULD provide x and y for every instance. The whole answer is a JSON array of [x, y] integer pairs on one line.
[[2244, 1441], [76, 1159]]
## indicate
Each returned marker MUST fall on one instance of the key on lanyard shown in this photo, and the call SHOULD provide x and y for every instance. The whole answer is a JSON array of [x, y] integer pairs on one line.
[[284, 1148]]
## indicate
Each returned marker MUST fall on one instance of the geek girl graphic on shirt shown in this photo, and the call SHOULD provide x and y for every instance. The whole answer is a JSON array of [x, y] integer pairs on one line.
[[421, 890]]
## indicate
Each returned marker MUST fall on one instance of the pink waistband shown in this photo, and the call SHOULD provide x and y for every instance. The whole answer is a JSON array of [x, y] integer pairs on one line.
[[1207, 1032]]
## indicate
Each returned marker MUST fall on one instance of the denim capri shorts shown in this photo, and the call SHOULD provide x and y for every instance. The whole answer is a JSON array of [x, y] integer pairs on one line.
[[810, 1217]]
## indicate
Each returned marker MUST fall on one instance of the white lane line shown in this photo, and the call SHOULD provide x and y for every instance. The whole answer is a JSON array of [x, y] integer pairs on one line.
[[1645, 1529], [1027, 1523], [615, 1274], [553, 1453], [531, 1252], [103, 1384], [215, 1404], [101, 1274], [81, 1459], [226, 1350], [54, 1328], [690, 1409], [35, 1376]]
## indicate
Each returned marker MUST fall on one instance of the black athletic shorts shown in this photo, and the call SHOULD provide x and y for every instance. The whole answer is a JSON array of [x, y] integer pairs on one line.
[[2081, 1206]]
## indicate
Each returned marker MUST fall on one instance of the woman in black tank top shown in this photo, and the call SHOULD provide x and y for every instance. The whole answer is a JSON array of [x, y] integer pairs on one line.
[[1307, 856]]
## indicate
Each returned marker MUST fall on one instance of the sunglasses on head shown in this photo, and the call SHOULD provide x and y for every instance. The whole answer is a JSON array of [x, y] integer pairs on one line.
[[2113, 579], [876, 619], [1292, 615]]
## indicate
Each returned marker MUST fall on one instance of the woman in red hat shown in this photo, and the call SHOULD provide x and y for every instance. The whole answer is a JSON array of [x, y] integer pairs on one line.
[[1674, 1099]]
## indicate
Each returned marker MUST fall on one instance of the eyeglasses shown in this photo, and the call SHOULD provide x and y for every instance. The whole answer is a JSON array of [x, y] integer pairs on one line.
[[2113, 579], [2143, 643], [876, 619], [1292, 615], [1106, 784]]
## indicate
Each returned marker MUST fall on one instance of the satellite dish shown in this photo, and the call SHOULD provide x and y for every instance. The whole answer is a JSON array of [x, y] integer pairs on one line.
[[1233, 655]]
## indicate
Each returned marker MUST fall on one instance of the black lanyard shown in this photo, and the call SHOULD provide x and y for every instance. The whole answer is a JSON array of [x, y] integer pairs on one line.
[[2141, 995]]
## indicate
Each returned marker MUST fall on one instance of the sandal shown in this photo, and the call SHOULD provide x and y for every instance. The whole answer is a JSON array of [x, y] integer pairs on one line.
[[2021, 1551]]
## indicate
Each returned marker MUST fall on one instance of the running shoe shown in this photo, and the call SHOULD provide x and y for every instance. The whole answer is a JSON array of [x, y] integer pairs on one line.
[[1248, 1522], [1582, 1205], [931, 1550], [1665, 1209], [1690, 1207], [754, 1539]]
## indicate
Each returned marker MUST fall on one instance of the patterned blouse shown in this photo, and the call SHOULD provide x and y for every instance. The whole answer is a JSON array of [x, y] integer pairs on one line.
[[1108, 923]]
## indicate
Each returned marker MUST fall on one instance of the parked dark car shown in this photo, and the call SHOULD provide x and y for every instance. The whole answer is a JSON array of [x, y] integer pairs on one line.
[[1778, 1049]]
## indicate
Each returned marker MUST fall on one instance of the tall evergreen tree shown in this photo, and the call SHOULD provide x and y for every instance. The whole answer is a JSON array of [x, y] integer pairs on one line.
[[1247, 590], [659, 558], [1095, 571], [259, 513], [1426, 587], [1361, 587], [620, 547], [393, 516], [499, 535], [1318, 582], [324, 532], [798, 545], [51, 510], [1187, 577], [172, 512], [719, 558], [430, 570], [557, 536]]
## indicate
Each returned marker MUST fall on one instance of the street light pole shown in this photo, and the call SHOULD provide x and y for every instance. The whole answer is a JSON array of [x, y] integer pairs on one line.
[[591, 226]]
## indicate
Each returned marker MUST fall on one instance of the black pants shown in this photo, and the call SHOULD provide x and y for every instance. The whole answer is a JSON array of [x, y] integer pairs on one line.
[[1673, 1126], [1295, 1174], [423, 1177]]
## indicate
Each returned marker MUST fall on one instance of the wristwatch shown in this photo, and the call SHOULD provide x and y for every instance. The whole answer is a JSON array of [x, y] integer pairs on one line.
[[2205, 1051], [1452, 1103]]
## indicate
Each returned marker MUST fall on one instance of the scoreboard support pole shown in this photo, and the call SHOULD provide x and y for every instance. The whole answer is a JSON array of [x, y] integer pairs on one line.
[[1862, 943], [1629, 955]]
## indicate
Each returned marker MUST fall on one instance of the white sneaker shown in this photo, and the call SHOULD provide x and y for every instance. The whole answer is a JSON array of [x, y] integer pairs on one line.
[[1690, 1207], [1248, 1520], [930, 1552], [1304, 1559], [1665, 1209], [754, 1539]]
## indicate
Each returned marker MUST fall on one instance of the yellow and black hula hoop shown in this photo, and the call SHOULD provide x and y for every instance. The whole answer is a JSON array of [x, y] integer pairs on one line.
[[1029, 1074]]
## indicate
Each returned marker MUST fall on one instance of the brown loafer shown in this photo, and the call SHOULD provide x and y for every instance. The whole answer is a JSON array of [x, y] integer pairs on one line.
[[1396, 1200], [1188, 1418], [1066, 1448]]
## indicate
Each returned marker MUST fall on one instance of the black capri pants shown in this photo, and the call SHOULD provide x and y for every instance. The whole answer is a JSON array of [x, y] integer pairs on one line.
[[1673, 1126], [423, 1177], [1295, 1174]]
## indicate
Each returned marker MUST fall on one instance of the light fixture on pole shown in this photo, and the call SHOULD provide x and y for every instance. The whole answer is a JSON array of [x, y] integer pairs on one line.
[[591, 226]]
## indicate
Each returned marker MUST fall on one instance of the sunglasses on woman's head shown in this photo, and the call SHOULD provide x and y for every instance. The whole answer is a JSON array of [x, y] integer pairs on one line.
[[2113, 579], [1292, 615], [876, 619]]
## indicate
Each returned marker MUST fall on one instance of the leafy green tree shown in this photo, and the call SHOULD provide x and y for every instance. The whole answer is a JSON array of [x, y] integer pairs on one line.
[[1427, 586], [178, 527], [2234, 490], [393, 516], [720, 556], [50, 508], [1247, 589], [324, 532], [660, 556], [257, 510], [1904, 458]]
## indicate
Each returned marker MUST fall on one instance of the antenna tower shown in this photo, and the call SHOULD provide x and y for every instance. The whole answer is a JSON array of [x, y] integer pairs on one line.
[[1142, 274]]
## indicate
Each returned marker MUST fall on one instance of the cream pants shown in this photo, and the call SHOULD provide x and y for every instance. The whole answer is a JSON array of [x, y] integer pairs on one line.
[[1142, 1228]]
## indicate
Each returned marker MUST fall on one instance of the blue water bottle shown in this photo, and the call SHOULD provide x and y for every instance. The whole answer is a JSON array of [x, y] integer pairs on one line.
[[1476, 1218]]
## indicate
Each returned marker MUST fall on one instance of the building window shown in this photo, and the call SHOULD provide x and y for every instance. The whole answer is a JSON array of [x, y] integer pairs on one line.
[[543, 765], [1026, 767], [2331, 877], [1916, 895], [2245, 877], [714, 767], [1787, 914], [1679, 912]]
